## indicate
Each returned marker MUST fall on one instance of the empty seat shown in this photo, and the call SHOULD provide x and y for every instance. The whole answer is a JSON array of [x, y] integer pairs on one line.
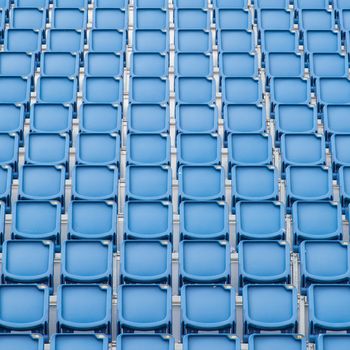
[[65, 40], [149, 64], [17, 64], [151, 18], [9, 144], [230, 40], [312, 19], [194, 64], [344, 19], [341, 4], [193, 40], [315, 4], [275, 19], [328, 308], [241, 90], [148, 220], [28, 262], [279, 41], [277, 341], [230, 3], [92, 220], [25, 308], [320, 67], [12, 120], [335, 119], [189, 3], [107, 40], [260, 221], [71, 3], [149, 90], [203, 220], [270, 308], [144, 308], [2, 222], [204, 262], [84, 307], [339, 148], [195, 90], [145, 262], [59, 64], [21, 341], [238, 64], [279, 4], [210, 341], [148, 183], [103, 90], [15, 90], [86, 262], [69, 18], [111, 18], [104, 64], [148, 118], [333, 90], [79, 342], [188, 18], [95, 182], [32, 3], [322, 41], [111, 3], [152, 3], [226, 18], [208, 308], [37, 220], [147, 341], [148, 149], [22, 40], [344, 181], [316, 220], [333, 341], [6, 185], [150, 40], [284, 64], [27, 18]]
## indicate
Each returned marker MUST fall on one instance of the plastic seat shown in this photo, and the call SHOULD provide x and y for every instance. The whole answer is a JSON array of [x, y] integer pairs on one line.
[[315, 4], [95, 182], [100, 118], [22, 40], [84, 307], [191, 40], [148, 183], [111, 3], [198, 149], [316, 221], [335, 119], [275, 19], [308, 183], [86, 262], [203, 220], [21, 341], [341, 4], [320, 67], [196, 118], [193, 64], [147, 341], [98, 149], [279, 41], [208, 308], [270, 308], [264, 262], [12, 119], [254, 183], [201, 183], [274, 4], [25, 308], [148, 149], [39, 220], [324, 262], [103, 90], [277, 341], [27, 18], [210, 341], [328, 308], [191, 18], [149, 64], [150, 40], [241, 90], [144, 308], [195, 90], [344, 180], [5, 186], [189, 4], [148, 118], [260, 221], [28, 262], [111, 18], [4, 4], [284, 64], [65, 40], [230, 3], [153, 90], [90, 220], [79, 342], [204, 262], [9, 144], [16, 64], [2, 221], [344, 19], [339, 148], [105, 40], [145, 262], [32, 3], [238, 64], [333, 341], [229, 18], [230, 40], [148, 220], [322, 41], [15, 90], [69, 18], [59, 64], [70, 3], [151, 18], [312, 19]]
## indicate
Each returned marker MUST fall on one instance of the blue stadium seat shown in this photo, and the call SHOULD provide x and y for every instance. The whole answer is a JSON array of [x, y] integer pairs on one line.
[[195, 90], [59, 64], [95, 182], [320, 67], [144, 308], [65, 40], [201, 183], [12, 120], [111, 18], [147, 341], [339, 148], [322, 41], [241, 90], [148, 149], [308, 183], [148, 182], [79, 342], [17, 63], [32, 3], [92, 220], [232, 19], [316, 221], [238, 64], [150, 40], [22, 40], [341, 4], [230, 3], [15, 90], [333, 342], [230, 40], [145, 262], [333, 90], [111, 3], [192, 40], [274, 19], [100, 118], [106, 40], [25, 308], [279, 41], [260, 221], [28, 18], [148, 118], [2, 222], [208, 308], [203, 220], [9, 144], [204, 262], [188, 3], [148, 220], [193, 64], [315, 4], [4, 4], [103, 90], [277, 342], [324, 262], [149, 64], [270, 308], [255, 183], [86, 262], [153, 90], [188, 18], [26, 261], [5, 186], [278, 4], [262, 262], [84, 307], [37, 220], [69, 18], [316, 19], [70, 3], [151, 18], [21, 341], [210, 341], [344, 180], [343, 19], [335, 119], [328, 308], [284, 64], [188, 120], [98, 149], [198, 149]]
